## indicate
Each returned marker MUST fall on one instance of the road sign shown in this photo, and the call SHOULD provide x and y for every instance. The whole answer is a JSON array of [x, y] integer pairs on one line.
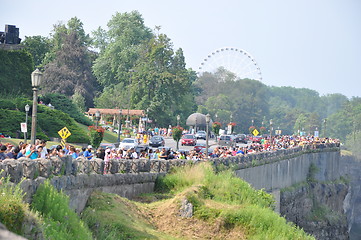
[[63, 142], [64, 133], [23, 127], [255, 132]]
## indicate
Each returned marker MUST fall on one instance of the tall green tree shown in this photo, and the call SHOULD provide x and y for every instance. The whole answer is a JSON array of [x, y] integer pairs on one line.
[[119, 47], [70, 70], [38, 47]]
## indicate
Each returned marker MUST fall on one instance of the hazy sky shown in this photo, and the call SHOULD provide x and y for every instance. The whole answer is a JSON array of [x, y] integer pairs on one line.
[[312, 44]]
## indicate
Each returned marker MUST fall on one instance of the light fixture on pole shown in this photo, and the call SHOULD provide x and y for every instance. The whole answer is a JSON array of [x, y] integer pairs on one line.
[[271, 129], [120, 125], [97, 117], [146, 120], [325, 122], [27, 108], [129, 97], [178, 118], [36, 78], [208, 119]]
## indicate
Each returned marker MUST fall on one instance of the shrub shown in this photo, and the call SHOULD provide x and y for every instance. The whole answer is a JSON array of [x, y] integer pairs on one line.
[[64, 104], [12, 210], [96, 135], [7, 104], [60, 222]]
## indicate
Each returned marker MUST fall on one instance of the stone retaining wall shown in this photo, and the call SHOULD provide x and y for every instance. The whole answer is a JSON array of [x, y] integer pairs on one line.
[[80, 177]]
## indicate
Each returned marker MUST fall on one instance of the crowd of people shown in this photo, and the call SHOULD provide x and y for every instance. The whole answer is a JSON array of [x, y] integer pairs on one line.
[[39, 150]]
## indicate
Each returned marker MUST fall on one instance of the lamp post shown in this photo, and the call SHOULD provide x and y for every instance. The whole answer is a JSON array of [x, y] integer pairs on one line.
[[36, 78], [97, 116], [271, 129], [178, 118], [129, 96], [146, 120], [208, 119], [27, 108], [325, 122], [120, 125]]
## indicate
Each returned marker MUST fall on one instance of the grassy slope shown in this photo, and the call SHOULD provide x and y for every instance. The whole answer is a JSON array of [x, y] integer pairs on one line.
[[224, 207], [109, 137]]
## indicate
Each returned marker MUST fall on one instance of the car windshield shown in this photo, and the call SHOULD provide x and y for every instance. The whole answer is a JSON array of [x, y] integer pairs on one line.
[[156, 138], [128, 141], [188, 136]]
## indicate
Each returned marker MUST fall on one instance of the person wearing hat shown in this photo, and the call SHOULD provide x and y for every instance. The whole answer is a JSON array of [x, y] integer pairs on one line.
[[88, 152]]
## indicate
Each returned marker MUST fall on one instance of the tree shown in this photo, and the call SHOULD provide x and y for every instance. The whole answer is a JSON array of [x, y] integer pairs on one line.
[[38, 47], [70, 71], [119, 47], [177, 134]]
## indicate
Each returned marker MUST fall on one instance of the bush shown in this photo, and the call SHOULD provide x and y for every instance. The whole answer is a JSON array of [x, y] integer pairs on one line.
[[63, 103], [60, 222], [7, 104], [15, 72], [12, 210]]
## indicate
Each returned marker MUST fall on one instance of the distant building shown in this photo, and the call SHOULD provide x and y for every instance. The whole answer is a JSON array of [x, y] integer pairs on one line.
[[9, 40]]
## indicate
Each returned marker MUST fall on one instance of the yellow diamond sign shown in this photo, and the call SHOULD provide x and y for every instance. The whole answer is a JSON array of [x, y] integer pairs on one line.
[[255, 132], [64, 133]]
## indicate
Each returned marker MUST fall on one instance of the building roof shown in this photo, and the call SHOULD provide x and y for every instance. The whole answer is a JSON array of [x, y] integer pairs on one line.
[[198, 119], [107, 111]]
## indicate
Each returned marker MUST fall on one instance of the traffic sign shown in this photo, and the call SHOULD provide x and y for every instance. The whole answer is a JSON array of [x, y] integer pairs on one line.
[[255, 132], [64, 133]]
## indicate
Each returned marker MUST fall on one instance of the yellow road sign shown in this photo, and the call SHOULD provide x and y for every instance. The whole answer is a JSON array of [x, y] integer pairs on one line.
[[255, 132], [63, 142], [64, 133]]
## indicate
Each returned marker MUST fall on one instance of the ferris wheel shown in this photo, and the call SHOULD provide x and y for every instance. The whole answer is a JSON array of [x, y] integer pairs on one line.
[[235, 60]]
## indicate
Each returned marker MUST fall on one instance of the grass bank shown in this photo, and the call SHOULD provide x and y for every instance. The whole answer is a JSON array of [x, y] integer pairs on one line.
[[223, 207]]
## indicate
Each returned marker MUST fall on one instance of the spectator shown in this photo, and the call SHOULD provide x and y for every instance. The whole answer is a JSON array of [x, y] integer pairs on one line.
[[2, 152], [88, 152]]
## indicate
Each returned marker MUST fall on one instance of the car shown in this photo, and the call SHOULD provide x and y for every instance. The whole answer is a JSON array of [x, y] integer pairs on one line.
[[156, 141], [241, 138], [227, 140], [199, 146], [255, 139], [128, 143], [201, 135], [210, 151], [189, 139], [107, 145]]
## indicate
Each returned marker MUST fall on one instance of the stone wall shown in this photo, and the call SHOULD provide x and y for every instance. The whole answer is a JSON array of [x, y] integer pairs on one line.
[[80, 177], [285, 173]]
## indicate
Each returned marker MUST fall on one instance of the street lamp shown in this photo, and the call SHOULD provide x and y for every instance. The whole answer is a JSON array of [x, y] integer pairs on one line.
[[27, 108], [178, 118], [120, 125], [208, 119], [271, 129], [325, 122], [97, 116], [146, 120], [36, 78], [130, 83]]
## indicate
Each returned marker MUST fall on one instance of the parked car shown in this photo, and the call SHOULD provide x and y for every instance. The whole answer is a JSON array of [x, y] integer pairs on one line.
[[189, 139], [199, 146], [227, 140], [241, 138], [107, 145], [255, 139], [156, 141], [201, 135], [128, 143], [210, 151]]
